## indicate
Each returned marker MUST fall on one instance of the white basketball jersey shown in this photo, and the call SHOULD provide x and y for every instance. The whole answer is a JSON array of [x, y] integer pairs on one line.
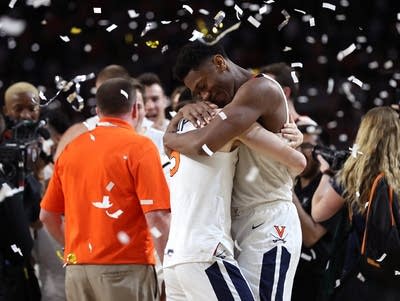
[[258, 178], [201, 191]]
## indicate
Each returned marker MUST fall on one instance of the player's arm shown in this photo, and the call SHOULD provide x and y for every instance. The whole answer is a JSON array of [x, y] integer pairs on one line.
[[54, 224], [269, 144], [255, 98]]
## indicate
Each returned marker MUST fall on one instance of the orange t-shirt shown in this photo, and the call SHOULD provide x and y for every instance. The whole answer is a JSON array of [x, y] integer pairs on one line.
[[104, 182]]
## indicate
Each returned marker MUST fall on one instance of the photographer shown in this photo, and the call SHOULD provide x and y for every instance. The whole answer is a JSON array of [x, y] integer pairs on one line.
[[368, 182], [19, 209]]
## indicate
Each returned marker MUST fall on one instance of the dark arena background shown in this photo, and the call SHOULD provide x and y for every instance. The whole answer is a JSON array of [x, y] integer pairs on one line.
[[348, 49]]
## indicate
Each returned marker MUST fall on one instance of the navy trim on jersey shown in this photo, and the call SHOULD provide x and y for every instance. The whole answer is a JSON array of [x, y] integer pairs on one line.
[[267, 274], [218, 283], [239, 282], [284, 266]]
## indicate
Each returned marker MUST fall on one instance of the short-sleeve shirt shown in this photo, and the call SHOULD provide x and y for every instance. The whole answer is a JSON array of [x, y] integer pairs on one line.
[[104, 182]]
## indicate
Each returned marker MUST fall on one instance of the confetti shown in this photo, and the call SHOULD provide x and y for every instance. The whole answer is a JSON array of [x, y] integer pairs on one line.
[[12, 3], [252, 174], [286, 21], [287, 48], [221, 35], [152, 44], [123, 238], [71, 259], [111, 27], [90, 247], [97, 10], [149, 26], [188, 8], [146, 202], [263, 9], [222, 115], [38, 3], [196, 35], [110, 186], [341, 17], [297, 64], [133, 14], [124, 93], [300, 11], [207, 150], [164, 49], [75, 30], [324, 38], [294, 77], [125, 157], [331, 85], [116, 214], [253, 21], [337, 283], [219, 17], [165, 22], [398, 16], [172, 113], [332, 124], [355, 151], [380, 259], [328, 6], [239, 11], [204, 11], [388, 64], [65, 39], [105, 204], [155, 232], [92, 137], [312, 22], [16, 249], [361, 277], [355, 80], [270, 1], [342, 54], [373, 65], [305, 256]]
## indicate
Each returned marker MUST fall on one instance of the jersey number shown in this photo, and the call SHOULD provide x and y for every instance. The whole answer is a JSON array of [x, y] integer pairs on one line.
[[177, 156]]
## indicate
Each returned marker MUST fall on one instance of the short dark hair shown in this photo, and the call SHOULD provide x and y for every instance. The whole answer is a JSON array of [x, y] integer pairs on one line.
[[112, 71], [282, 73], [137, 85], [149, 78], [192, 55], [116, 96]]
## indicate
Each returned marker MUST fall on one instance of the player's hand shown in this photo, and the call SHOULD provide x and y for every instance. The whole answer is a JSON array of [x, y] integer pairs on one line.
[[292, 133], [199, 113]]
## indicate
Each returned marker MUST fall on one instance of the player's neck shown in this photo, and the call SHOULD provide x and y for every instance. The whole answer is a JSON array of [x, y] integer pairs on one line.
[[241, 76]]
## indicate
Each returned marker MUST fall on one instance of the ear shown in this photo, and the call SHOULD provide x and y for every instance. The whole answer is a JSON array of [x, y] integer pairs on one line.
[[287, 91], [220, 62]]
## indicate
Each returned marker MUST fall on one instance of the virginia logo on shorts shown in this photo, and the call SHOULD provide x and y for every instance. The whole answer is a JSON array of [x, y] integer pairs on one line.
[[281, 235]]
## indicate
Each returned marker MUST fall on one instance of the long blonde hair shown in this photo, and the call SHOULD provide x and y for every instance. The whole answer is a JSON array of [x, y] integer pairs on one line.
[[378, 138]]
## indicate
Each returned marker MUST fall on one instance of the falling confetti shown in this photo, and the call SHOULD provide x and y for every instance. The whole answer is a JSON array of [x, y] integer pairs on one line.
[[110, 186], [355, 151], [164, 49], [97, 10], [294, 77], [188, 8], [12, 3], [152, 44], [146, 202], [286, 21], [196, 35], [204, 11], [253, 21], [342, 54], [355, 80], [111, 27], [16, 249], [331, 85], [239, 11], [297, 64], [300, 11], [329, 6], [6, 191], [312, 22], [66, 39], [92, 137], [133, 14], [149, 26], [124, 93]]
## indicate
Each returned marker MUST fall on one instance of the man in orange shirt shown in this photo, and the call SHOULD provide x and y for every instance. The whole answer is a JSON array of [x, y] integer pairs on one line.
[[109, 184]]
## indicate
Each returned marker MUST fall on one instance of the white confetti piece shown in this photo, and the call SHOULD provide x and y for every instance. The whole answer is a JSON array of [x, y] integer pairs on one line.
[[172, 113], [355, 151], [155, 232], [287, 48], [297, 64], [263, 10], [111, 27], [116, 214], [222, 115], [133, 14], [253, 21], [393, 83], [90, 247], [332, 124], [38, 3], [6, 191], [286, 21], [110, 186], [337, 283], [123, 92], [12, 3], [305, 256], [196, 35], [164, 49], [92, 137], [312, 22], [398, 16], [165, 22], [252, 174], [361, 277], [300, 11], [341, 17], [324, 38], [331, 85], [16, 249], [380, 259], [342, 54], [355, 80], [123, 238], [146, 202], [239, 11], [373, 65], [396, 273], [314, 255], [343, 137], [207, 150], [270, 1], [105, 204], [294, 77], [204, 11], [188, 8], [65, 38], [328, 6], [97, 10], [125, 157], [388, 64]]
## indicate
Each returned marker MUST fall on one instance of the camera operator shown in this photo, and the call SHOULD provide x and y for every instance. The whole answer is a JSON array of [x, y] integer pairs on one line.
[[20, 210], [317, 237]]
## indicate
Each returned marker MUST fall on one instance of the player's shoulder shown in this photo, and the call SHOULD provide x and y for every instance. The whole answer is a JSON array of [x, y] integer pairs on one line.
[[260, 86]]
